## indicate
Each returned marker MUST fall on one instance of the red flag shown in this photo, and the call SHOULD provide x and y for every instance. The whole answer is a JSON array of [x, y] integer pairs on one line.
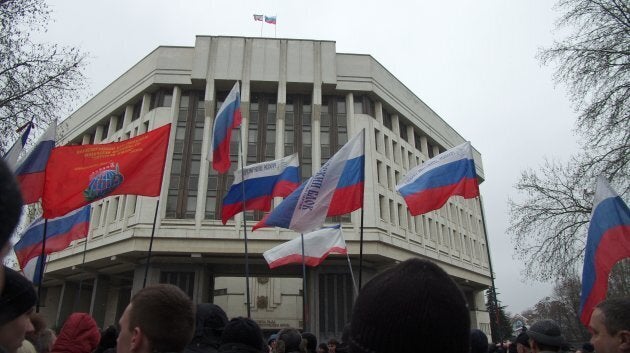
[[79, 175]]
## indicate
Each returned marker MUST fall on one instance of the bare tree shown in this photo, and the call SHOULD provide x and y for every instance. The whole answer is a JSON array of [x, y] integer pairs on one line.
[[548, 221], [38, 81]]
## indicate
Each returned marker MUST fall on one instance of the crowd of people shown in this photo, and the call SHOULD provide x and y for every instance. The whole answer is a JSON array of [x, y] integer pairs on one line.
[[413, 306]]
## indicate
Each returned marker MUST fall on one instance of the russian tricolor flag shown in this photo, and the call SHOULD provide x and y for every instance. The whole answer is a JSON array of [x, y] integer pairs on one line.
[[33, 269], [228, 117], [263, 182], [336, 189], [60, 232], [317, 246], [30, 173], [428, 186], [12, 155], [608, 242]]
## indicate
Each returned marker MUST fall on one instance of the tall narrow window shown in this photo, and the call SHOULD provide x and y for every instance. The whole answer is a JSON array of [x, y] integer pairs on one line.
[[297, 131], [182, 194]]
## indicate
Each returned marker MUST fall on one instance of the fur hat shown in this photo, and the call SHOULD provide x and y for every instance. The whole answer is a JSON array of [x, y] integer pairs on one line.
[[18, 296], [412, 305], [546, 332], [241, 330]]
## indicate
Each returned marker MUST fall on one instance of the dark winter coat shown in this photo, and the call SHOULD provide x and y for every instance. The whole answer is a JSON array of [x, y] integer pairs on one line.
[[210, 321], [238, 348]]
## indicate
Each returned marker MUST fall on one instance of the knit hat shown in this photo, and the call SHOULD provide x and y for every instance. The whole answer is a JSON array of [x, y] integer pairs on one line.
[[291, 338], [18, 296], [412, 306], [478, 341], [209, 318], [244, 331], [546, 332], [10, 203]]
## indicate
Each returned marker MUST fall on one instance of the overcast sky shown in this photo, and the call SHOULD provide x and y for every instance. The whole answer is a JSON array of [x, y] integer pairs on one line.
[[473, 62]]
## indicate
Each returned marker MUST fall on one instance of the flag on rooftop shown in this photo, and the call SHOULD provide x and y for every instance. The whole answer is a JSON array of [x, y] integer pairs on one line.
[[79, 175], [228, 117], [12, 155], [607, 243], [31, 170], [258, 17], [428, 186], [270, 19], [317, 246], [263, 182], [336, 189]]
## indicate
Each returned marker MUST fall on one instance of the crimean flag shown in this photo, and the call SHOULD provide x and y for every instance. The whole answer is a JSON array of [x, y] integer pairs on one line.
[[31, 170], [317, 246], [262, 182], [79, 175], [12, 155], [607, 243], [270, 19], [60, 232], [428, 186], [336, 189], [258, 17], [228, 117]]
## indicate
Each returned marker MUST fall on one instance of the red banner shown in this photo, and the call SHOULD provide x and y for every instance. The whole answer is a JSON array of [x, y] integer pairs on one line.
[[79, 175]]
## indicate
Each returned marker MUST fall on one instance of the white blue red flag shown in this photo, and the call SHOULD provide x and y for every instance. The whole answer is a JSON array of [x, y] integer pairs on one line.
[[608, 242], [12, 155], [428, 186], [33, 269], [228, 117], [60, 232], [30, 172], [263, 181], [317, 246], [336, 189], [270, 19]]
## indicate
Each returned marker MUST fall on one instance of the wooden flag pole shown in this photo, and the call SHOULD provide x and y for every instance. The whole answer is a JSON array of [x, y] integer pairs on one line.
[[41, 267], [146, 268]]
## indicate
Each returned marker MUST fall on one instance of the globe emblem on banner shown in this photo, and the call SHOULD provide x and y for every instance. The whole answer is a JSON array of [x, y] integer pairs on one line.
[[103, 183]]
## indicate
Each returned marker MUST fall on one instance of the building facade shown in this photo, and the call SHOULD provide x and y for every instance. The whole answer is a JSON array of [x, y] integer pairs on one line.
[[297, 96]]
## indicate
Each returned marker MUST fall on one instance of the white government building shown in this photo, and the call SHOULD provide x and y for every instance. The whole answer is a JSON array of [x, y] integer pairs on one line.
[[297, 96]]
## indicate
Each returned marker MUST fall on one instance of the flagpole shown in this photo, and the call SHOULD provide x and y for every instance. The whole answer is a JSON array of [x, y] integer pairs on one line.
[[354, 282], [304, 302], [361, 228], [146, 268], [243, 161], [78, 297], [41, 267], [494, 288], [261, 25]]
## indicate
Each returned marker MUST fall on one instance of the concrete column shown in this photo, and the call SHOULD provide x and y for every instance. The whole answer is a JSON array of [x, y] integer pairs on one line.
[[98, 135], [282, 101], [350, 115], [436, 151], [410, 138], [396, 124], [424, 147], [86, 139], [127, 115], [146, 105], [202, 186], [378, 111], [316, 128], [177, 96], [113, 121], [66, 302], [98, 303]]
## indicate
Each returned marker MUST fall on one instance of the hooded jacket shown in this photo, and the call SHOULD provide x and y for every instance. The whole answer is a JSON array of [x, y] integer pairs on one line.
[[210, 321], [79, 334]]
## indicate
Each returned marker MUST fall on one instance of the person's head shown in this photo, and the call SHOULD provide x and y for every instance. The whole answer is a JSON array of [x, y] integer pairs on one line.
[[522, 343], [159, 318], [16, 306], [290, 338], [414, 301], [332, 345], [272, 341], [242, 331], [322, 348], [210, 321], [610, 326], [311, 342], [79, 334], [545, 335], [478, 341]]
